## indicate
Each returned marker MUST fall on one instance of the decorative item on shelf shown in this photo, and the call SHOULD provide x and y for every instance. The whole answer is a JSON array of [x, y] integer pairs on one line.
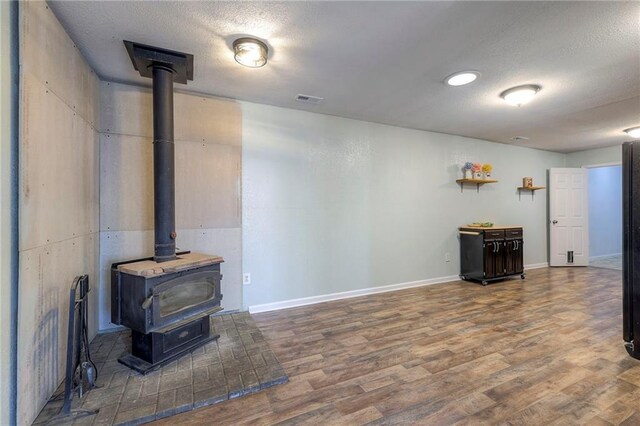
[[527, 185], [487, 169], [477, 171], [477, 180], [466, 169]]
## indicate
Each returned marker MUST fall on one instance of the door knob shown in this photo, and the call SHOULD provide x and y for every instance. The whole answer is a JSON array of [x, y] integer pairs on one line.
[[554, 222]]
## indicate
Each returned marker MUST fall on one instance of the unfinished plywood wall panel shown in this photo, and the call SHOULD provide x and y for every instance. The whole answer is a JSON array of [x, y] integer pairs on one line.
[[209, 120], [211, 173], [45, 274], [59, 185], [208, 139], [209, 170], [53, 58], [58, 200], [126, 180], [127, 110]]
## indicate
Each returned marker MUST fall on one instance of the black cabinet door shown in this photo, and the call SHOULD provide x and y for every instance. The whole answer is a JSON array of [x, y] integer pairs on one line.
[[513, 259], [518, 257], [510, 254], [499, 257], [493, 259], [489, 260]]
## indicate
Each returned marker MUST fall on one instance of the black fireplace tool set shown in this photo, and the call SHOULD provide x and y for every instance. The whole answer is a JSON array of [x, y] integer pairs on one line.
[[81, 371]]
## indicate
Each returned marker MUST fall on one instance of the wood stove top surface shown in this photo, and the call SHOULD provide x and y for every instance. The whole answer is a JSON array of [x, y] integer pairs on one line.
[[148, 268]]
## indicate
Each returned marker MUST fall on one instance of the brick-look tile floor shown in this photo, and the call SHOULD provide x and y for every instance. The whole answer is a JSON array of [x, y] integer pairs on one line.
[[238, 363]]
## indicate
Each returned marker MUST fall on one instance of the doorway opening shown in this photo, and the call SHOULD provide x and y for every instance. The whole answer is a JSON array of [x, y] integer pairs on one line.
[[605, 216]]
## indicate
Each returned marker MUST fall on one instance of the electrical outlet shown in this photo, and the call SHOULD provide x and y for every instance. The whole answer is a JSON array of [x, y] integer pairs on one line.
[[246, 279], [447, 257]]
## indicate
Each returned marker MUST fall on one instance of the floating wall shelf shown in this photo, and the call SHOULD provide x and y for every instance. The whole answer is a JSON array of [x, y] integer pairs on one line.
[[476, 182], [532, 189]]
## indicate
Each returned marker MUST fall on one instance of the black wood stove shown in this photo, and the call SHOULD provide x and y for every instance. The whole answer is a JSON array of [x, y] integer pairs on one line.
[[165, 300]]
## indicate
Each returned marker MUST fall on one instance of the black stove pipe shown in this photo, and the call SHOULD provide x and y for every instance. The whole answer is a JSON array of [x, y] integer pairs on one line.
[[164, 67], [164, 204]]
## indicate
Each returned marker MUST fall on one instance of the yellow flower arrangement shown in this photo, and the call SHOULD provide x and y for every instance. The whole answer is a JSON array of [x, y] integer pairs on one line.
[[487, 168]]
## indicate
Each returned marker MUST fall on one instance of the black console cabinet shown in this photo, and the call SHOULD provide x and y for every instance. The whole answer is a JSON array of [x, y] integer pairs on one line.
[[488, 254]]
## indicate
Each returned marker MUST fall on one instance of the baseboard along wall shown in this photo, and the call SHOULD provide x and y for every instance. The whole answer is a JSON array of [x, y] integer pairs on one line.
[[292, 303], [605, 256]]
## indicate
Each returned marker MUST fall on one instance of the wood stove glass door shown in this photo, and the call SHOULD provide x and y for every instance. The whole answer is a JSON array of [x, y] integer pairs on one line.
[[185, 296]]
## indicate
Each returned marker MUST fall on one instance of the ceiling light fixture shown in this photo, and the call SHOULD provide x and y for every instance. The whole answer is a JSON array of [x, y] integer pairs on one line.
[[520, 95], [250, 52], [634, 132], [461, 78]]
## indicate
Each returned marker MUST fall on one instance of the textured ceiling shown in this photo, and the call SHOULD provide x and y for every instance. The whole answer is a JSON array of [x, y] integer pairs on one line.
[[385, 61]]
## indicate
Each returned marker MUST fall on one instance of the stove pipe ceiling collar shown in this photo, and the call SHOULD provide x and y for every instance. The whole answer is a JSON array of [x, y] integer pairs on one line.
[[164, 67]]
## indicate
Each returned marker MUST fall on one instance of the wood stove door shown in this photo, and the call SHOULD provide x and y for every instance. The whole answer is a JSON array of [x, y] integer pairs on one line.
[[185, 297]]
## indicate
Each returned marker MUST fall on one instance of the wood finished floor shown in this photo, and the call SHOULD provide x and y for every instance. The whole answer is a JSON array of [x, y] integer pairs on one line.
[[547, 350]]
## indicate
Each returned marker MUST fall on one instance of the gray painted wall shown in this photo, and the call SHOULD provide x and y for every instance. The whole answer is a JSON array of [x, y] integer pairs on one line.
[[592, 157], [58, 199], [605, 211], [333, 205]]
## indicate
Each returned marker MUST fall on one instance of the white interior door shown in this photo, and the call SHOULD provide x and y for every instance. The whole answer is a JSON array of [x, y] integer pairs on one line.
[[568, 214]]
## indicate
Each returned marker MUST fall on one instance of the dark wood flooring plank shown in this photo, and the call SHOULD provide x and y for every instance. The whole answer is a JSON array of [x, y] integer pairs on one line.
[[545, 350]]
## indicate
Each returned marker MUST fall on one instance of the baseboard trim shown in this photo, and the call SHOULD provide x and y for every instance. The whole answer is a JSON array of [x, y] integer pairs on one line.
[[536, 266], [605, 256], [304, 301], [292, 303]]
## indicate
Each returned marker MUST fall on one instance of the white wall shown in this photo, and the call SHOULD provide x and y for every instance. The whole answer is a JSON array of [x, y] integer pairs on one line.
[[592, 157], [208, 135], [58, 200], [605, 211], [333, 205], [8, 240]]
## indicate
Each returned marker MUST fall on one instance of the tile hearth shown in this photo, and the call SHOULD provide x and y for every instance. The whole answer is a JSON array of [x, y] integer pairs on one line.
[[238, 363]]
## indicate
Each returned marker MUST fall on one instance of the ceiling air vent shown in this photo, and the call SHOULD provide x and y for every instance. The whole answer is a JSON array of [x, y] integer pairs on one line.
[[308, 99], [519, 138]]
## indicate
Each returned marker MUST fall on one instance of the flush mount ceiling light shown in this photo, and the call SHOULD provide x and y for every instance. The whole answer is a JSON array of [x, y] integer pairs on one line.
[[461, 78], [520, 95], [634, 132], [250, 52]]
